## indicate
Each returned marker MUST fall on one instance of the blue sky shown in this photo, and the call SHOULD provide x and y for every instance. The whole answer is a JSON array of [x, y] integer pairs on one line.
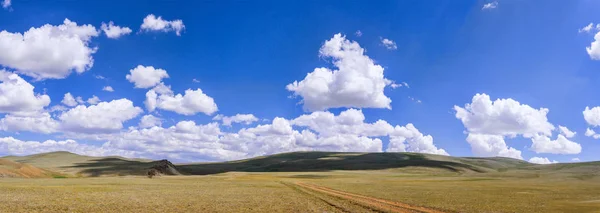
[[244, 54]]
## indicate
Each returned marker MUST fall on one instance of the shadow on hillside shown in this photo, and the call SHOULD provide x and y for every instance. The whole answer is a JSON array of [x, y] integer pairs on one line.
[[325, 161], [287, 162], [112, 167]]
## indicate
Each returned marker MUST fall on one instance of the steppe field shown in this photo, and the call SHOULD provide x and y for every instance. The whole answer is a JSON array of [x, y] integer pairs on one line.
[[374, 183]]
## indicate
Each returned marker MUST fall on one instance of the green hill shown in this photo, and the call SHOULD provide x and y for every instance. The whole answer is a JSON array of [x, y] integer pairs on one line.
[[79, 165], [327, 161]]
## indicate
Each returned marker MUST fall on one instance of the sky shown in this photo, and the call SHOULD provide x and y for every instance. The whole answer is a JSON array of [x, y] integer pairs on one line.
[[225, 80]]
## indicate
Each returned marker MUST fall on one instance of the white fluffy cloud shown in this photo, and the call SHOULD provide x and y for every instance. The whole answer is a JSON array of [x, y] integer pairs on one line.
[[503, 117], [409, 138], [483, 145], [146, 77], [188, 141], [113, 31], [93, 100], [153, 23], [592, 116], [539, 160], [562, 145], [566, 132], [108, 89], [489, 6], [594, 49], [358, 81], [17, 95], [488, 123], [192, 102], [149, 121], [69, 100], [351, 122], [388, 44], [591, 133], [35, 122], [49, 51], [238, 118], [12, 146], [100, 118]]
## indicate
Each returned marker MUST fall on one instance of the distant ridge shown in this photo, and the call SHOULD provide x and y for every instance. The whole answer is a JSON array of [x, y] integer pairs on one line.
[[80, 165]]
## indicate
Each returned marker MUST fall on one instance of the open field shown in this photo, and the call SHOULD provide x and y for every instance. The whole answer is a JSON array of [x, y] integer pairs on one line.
[[281, 192], [301, 182]]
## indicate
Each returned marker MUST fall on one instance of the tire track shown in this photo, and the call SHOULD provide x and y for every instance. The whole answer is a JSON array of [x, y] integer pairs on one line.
[[367, 201]]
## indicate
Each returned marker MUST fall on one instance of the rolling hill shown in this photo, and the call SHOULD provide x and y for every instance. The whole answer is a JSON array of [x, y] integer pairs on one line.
[[13, 169], [79, 165]]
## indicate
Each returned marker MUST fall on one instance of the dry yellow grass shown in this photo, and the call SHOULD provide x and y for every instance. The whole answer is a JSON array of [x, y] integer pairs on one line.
[[271, 192]]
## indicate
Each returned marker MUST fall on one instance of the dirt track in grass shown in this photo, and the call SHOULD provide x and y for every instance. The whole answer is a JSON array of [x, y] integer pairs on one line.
[[366, 201]]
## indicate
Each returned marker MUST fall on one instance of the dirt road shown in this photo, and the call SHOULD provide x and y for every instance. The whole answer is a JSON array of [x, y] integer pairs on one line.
[[371, 203]]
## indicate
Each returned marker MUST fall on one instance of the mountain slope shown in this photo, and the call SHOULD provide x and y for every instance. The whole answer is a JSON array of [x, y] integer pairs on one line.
[[326, 161], [80, 165], [13, 169]]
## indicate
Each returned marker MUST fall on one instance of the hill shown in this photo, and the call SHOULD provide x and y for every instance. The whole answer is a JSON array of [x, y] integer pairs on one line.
[[79, 165], [13, 169], [327, 161]]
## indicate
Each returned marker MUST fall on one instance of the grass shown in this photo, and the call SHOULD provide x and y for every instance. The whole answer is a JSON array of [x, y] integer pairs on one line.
[[268, 192], [267, 184]]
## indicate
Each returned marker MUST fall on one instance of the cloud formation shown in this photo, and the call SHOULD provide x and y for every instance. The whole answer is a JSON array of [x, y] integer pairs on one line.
[[49, 51], [358, 82]]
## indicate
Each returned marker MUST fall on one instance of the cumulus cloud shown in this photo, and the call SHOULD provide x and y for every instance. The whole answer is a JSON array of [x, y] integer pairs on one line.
[[575, 160], [538, 160], [17, 95], [358, 81], [388, 44], [148, 121], [36, 122], [192, 102], [188, 141], [488, 123], [483, 145], [489, 6], [12, 146], [69, 100], [503, 117], [114, 31], [562, 145], [153, 23], [566, 132], [591, 133], [101, 118], [238, 118], [108, 89], [93, 100], [146, 77], [594, 49], [409, 139], [49, 51], [351, 122], [592, 116]]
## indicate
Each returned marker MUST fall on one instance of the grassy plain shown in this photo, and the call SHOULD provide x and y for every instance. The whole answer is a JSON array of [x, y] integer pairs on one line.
[[277, 192]]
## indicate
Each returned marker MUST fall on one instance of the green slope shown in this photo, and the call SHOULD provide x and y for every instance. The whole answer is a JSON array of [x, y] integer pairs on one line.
[[327, 161], [78, 165]]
